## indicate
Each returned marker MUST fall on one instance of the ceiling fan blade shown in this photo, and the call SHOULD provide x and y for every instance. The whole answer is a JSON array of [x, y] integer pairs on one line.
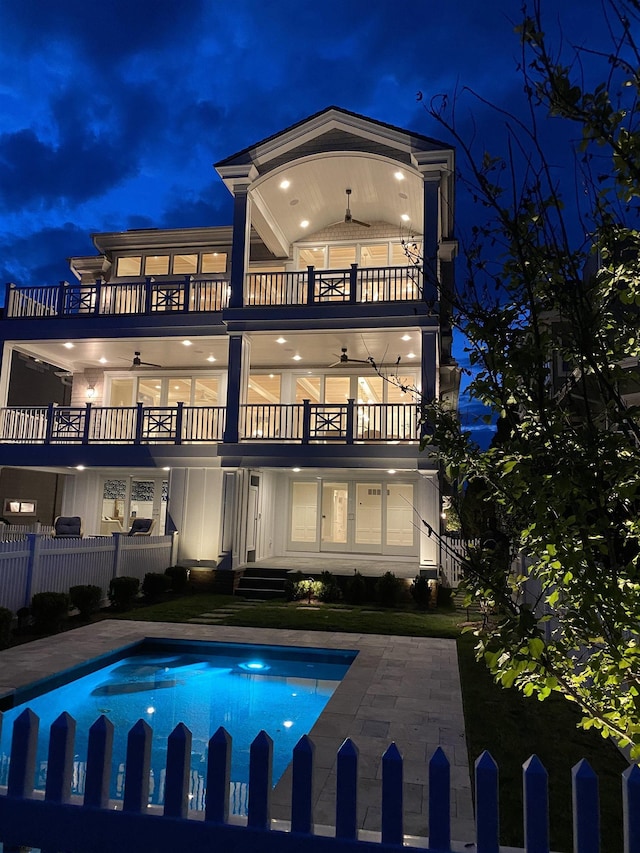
[[358, 222]]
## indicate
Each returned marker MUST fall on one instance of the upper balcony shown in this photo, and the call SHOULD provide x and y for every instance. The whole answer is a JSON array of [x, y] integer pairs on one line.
[[190, 295]]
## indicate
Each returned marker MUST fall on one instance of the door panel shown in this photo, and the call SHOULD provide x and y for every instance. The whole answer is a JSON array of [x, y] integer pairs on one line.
[[368, 517], [335, 510]]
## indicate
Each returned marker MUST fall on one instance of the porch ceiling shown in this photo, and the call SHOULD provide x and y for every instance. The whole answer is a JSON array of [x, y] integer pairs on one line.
[[316, 351], [382, 191]]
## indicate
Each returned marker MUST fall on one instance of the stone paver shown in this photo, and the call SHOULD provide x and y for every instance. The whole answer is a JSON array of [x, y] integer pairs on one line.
[[402, 689]]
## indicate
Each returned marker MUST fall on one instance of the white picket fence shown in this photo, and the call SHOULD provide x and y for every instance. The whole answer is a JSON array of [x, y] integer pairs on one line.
[[37, 562]]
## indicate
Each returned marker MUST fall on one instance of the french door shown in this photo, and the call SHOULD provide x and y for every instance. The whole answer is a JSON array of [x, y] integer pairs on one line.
[[351, 516]]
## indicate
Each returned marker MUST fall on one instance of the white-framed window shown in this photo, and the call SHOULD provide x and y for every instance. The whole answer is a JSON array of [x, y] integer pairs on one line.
[[171, 263], [334, 256], [162, 389]]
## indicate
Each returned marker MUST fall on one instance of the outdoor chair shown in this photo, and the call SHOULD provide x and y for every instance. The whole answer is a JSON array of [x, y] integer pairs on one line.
[[67, 527], [141, 527]]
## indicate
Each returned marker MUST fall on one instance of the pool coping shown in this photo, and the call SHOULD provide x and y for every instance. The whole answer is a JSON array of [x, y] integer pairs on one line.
[[401, 689]]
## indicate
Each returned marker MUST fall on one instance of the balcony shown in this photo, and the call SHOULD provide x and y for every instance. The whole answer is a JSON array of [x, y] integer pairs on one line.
[[357, 285], [296, 423]]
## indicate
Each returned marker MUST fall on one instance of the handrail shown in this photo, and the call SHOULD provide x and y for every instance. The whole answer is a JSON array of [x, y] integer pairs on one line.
[[303, 423], [356, 285]]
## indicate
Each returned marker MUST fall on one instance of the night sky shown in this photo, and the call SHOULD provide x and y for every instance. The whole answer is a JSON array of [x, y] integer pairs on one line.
[[112, 114]]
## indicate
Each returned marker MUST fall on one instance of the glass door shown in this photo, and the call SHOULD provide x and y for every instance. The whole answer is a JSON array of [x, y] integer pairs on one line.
[[127, 498], [335, 517]]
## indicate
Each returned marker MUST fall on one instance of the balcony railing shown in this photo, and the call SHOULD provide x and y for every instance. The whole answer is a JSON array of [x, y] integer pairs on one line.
[[187, 295], [313, 286], [191, 295], [301, 423]]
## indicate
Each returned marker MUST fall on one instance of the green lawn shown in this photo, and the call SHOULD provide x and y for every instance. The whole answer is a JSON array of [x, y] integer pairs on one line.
[[503, 721]]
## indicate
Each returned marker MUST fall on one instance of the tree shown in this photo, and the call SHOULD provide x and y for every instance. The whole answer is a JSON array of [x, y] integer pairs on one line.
[[547, 284]]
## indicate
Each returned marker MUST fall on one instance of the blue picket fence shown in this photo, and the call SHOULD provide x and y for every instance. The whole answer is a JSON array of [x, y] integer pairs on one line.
[[56, 821]]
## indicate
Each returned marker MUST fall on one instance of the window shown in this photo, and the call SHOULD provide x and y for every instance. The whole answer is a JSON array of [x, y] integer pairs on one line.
[[214, 262], [312, 257], [129, 266], [185, 264], [263, 388], [341, 257], [374, 256], [156, 265]]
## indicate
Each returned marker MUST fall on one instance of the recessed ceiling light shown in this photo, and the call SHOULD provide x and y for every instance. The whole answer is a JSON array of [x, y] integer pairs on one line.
[[210, 358], [281, 340], [406, 337], [79, 467], [186, 343], [68, 345], [405, 217], [166, 469], [284, 185], [297, 358], [398, 176], [391, 471], [411, 355], [102, 360], [158, 387], [296, 470], [304, 223]]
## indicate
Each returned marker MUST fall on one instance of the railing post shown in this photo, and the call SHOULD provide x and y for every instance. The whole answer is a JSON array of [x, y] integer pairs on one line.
[[98, 296], [148, 289], [34, 543], [49, 430], [311, 285], [62, 289], [9, 290], [187, 293], [139, 423], [179, 417], [353, 283], [351, 404], [87, 423], [306, 421]]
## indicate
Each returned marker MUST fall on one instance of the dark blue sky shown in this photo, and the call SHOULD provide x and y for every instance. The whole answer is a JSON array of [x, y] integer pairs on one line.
[[112, 113]]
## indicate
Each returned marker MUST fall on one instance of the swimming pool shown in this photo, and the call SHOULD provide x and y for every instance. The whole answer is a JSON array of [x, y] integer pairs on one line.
[[244, 688]]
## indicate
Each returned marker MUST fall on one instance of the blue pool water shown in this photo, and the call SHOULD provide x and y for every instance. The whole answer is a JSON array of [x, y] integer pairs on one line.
[[244, 688]]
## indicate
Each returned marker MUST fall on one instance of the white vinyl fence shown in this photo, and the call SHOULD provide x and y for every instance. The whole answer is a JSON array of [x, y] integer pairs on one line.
[[40, 563]]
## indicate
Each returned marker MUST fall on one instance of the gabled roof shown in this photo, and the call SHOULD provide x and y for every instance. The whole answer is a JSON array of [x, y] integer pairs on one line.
[[389, 132]]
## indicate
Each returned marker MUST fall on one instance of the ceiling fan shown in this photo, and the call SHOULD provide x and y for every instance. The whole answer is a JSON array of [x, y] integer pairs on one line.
[[137, 362], [348, 218], [344, 359]]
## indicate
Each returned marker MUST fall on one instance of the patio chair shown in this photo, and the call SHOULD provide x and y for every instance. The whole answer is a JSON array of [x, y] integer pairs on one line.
[[141, 527], [67, 527]]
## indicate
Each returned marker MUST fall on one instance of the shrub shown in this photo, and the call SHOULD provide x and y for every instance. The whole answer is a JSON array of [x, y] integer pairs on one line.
[[356, 591], [179, 577], [86, 598], [444, 596], [49, 610], [6, 620], [329, 591], [155, 585], [122, 592], [421, 592], [388, 590], [292, 585]]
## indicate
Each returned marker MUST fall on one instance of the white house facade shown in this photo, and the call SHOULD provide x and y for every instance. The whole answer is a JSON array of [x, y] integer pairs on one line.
[[220, 377]]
